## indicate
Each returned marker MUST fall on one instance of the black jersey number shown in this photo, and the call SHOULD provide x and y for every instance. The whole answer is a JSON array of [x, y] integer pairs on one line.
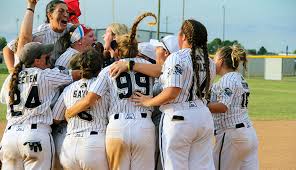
[[31, 102], [124, 83], [245, 100]]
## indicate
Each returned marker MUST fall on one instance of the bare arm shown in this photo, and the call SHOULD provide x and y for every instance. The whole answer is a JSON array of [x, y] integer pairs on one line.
[[167, 95], [82, 105], [152, 70], [8, 56], [27, 26], [216, 107]]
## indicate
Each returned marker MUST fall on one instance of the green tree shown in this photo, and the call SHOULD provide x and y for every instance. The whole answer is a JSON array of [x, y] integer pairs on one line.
[[262, 51], [3, 42], [252, 51], [294, 52], [214, 45]]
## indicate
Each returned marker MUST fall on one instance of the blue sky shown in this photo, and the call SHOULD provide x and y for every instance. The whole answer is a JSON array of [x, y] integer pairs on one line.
[[271, 23]]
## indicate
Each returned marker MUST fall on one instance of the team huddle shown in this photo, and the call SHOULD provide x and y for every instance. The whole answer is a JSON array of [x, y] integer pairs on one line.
[[74, 103]]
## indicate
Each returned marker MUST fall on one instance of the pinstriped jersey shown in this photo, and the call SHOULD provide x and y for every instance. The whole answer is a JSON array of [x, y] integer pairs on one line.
[[177, 71], [36, 90], [93, 119], [122, 88], [65, 58], [233, 91]]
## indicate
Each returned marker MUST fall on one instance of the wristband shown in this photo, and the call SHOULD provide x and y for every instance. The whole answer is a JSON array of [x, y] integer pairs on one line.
[[30, 9]]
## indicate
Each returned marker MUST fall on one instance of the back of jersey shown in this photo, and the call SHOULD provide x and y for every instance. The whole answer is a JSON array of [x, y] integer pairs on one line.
[[123, 87], [93, 119], [36, 88]]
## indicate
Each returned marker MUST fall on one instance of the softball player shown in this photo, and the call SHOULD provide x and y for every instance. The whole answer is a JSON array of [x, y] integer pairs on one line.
[[84, 145], [236, 142], [27, 142], [130, 133], [48, 33], [81, 38], [187, 124]]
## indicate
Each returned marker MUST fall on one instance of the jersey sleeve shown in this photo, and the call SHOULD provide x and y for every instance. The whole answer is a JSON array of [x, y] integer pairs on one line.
[[4, 90], [173, 72], [11, 45], [59, 108], [225, 92], [57, 77], [100, 86]]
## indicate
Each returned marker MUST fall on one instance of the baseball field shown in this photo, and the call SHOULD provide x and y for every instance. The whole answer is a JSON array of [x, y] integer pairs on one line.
[[272, 106]]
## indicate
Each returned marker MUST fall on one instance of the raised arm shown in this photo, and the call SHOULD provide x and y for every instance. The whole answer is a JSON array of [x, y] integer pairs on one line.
[[152, 70], [25, 35], [8, 56]]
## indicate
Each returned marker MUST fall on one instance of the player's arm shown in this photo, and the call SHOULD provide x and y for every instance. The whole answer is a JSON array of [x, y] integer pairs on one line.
[[224, 97], [167, 95], [8, 56], [82, 105], [59, 109], [152, 70], [26, 26], [216, 107], [96, 90]]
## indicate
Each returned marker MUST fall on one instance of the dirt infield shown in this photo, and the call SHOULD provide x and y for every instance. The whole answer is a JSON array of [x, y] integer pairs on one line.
[[277, 144]]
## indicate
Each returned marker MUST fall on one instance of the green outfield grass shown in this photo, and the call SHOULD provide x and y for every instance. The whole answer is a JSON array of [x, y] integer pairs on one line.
[[269, 100]]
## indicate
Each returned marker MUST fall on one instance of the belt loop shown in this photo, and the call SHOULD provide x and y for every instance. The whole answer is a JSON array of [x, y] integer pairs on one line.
[[93, 133], [33, 126], [116, 116], [144, 115]]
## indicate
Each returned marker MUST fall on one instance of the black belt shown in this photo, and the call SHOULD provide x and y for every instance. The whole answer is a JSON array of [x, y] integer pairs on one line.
[[33, 126], [94, 133], [143, 115], [237, 126]]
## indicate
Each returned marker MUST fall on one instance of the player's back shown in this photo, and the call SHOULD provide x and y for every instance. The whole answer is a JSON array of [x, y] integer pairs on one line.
[[36, 88], [93, 119], [233, 91], [123, 87]]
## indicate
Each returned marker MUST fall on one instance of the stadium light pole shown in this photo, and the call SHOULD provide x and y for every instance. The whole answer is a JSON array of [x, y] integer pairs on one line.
[[113, 11], [223, 34], [17, 26], [158, 20], [183, 11]]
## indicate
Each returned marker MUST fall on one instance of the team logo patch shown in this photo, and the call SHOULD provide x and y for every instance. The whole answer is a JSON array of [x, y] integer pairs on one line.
[[228, 92], [178, 69]]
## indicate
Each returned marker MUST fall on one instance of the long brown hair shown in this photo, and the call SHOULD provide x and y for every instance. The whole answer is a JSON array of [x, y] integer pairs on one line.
[[197, 36], [127, 43]]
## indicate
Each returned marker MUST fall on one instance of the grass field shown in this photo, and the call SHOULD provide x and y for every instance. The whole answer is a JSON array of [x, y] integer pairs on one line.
[[269, 100]]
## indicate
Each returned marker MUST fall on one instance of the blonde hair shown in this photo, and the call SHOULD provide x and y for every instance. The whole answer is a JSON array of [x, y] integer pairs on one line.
[[232, 56], [127, 43], [118, 29]]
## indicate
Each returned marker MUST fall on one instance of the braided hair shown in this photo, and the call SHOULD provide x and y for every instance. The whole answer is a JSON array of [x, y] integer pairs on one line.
[[197, 36], [14, 81], [127, 43], [232, 56], [90, 62]]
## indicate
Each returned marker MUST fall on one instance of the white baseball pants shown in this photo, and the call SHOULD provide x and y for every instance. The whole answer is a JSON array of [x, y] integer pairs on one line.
[[85, 150], [28, 147], [130, 142], [186, 137], [236, 149]]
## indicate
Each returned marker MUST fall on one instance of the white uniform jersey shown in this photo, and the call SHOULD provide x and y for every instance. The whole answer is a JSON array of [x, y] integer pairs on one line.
[[32, 101], [177, 71], [232, 90], [94, 119], [65, 58], [122, 88]]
